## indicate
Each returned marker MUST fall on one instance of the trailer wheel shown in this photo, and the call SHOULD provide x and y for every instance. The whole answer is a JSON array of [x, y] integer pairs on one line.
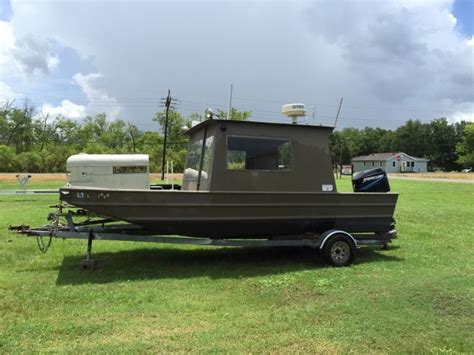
[[339, 250]]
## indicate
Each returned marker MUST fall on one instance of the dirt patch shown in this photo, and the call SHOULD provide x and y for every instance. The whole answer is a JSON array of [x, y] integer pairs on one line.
[[11, 177], [459, 176], [157, 177]]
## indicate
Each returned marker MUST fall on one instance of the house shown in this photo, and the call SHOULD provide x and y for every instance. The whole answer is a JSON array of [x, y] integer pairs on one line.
[[391, 163]]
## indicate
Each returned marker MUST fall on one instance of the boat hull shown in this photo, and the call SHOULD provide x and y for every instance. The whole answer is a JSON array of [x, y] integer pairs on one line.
[[239, 214]]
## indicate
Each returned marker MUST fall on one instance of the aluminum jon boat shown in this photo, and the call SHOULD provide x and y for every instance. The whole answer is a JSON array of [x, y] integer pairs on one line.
[[247, 179], [244, 184]]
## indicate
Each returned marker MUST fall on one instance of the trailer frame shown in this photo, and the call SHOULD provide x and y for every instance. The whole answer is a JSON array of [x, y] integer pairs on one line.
[[108, 229]]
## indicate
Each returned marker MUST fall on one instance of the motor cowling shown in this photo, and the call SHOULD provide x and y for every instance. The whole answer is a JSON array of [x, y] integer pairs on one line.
[[373, 180]]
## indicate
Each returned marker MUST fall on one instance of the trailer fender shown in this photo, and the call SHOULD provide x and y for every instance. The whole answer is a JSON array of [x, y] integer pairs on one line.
[[328, 234]]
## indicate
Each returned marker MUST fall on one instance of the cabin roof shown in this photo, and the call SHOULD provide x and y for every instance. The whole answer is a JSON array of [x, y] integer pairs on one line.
[[107, 159], [258, 125]]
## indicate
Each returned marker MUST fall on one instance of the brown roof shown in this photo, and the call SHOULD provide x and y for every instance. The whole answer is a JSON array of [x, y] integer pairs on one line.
[[258, 125], [384, 156]]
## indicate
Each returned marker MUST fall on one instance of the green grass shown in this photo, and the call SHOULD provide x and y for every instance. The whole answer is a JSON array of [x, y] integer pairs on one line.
[[416, 297], [7, 185]]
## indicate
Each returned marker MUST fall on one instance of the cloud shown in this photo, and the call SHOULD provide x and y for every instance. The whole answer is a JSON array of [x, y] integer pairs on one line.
[[391, 60], [25, 57], [66, 109], [34, 54], [7, 44], [22, 59], [458, 116], [402, 49], [99, 100], [7, 94]]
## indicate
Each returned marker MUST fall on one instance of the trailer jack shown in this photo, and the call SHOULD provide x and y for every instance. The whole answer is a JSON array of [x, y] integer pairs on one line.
[[88, 263]]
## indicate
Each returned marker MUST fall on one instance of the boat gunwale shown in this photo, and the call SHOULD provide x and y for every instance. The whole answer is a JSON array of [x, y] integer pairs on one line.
[[87, 188]]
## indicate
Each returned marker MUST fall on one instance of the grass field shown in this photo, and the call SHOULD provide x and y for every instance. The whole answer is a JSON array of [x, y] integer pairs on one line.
[[416, 297]]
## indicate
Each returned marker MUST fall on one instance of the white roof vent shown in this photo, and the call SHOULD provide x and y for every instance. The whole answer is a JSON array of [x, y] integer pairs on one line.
[[294, 111]]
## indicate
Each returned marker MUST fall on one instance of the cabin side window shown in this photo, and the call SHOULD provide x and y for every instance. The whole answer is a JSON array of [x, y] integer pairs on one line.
[[141, 169], [257, 153]]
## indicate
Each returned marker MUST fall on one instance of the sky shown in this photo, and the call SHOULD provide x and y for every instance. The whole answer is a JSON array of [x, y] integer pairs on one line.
[[390, 60]]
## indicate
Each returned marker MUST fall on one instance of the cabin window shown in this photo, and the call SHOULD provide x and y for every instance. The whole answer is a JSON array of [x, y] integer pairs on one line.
[[130, 169], [256, 153], [206, 162], [193, 160], [193, 163], [393, 163]]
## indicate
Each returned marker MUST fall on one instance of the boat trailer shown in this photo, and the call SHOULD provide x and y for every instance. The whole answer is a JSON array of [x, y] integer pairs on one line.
[[338, 246]]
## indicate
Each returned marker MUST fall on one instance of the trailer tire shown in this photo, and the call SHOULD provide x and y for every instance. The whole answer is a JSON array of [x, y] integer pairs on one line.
[[339, 250]]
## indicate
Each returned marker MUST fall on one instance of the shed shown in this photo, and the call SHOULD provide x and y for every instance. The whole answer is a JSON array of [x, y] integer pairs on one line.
[[391, 163], [124, 171]]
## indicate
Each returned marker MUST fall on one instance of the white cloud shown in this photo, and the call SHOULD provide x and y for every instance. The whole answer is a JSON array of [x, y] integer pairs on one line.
[[462, 116], [34, 54], [26, 57], [7, 44], [7, 94], [402, 49], [391, 60], [7, 65], [99, 100], [66, 109]]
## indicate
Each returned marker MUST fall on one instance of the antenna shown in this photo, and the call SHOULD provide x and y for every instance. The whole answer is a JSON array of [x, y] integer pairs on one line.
[[229, 108], [338, 110]]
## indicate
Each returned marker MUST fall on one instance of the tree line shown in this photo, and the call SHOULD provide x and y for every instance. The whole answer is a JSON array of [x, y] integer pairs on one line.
[[446, 145], [42, 144]]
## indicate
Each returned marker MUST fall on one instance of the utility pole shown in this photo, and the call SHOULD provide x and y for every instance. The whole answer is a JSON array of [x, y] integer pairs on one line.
[[166, 102]]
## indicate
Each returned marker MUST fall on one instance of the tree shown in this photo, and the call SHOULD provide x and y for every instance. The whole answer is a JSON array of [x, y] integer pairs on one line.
[[412, 138], [465, 148], [442, 145], [40, 143], [19, 128], [235, 115], [7, 158]]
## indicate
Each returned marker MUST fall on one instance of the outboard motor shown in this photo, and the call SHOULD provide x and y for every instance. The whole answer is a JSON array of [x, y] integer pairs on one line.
[[373, 180]]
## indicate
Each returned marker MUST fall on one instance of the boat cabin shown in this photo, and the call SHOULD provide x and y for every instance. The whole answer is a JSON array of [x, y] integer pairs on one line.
[[226, 155]]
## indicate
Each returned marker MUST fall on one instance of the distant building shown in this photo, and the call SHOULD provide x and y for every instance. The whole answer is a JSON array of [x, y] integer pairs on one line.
[[391, 163]]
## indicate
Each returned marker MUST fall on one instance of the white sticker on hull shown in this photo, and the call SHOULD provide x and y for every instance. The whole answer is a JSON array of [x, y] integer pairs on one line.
[[327, 188]]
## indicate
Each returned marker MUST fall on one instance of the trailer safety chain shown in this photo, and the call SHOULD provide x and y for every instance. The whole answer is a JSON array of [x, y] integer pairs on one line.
[[55, 223], [42, 245]]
